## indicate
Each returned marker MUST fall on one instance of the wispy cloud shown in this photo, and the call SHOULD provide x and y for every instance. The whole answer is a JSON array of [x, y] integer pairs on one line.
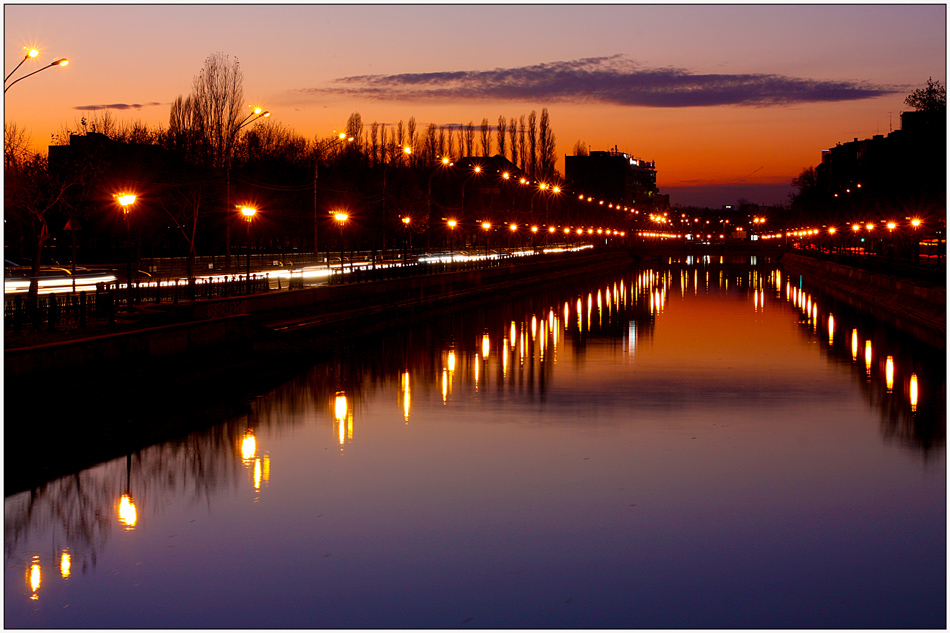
[[117, 106], [615, 80]]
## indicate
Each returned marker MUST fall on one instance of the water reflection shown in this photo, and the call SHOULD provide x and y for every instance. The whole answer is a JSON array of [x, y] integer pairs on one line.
[[512, 349]]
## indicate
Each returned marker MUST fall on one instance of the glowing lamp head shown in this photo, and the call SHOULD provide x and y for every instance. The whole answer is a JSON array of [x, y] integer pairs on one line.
[[125, 199], [406, 221], [258, 110], [32, 53], [486, 225], [406, 150], [478, 169], [855, 227], [248, 213], [513, 226], [60, 62], [915, 223], [445, 160], [452, 223], [341, 217], [534, 229]]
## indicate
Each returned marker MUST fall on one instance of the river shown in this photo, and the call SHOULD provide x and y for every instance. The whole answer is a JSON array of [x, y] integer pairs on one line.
[[703, 443]]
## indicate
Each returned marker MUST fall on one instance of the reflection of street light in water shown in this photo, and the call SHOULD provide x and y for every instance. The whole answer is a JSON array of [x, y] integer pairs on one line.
[[65, 562], [248, 446], [913, 392], [405, 395], [127, 513], [889, 373], [34, 577], [344, 417]]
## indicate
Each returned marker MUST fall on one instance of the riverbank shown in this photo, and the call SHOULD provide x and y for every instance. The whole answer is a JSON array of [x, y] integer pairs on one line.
[[919, 309], [212, 357]]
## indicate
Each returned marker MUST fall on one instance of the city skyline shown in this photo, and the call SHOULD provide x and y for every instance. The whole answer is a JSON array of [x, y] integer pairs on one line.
[[730, 101]]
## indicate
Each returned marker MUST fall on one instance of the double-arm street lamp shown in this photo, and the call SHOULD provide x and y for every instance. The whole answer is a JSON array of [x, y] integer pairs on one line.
[[256, 115], [340, 138], [30, 54]]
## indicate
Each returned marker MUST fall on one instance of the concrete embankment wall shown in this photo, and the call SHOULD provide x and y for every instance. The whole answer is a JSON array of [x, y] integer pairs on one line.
[[918, 309], [228, 329]]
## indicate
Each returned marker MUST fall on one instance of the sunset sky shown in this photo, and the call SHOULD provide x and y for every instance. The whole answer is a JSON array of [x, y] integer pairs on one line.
[[730, 101]]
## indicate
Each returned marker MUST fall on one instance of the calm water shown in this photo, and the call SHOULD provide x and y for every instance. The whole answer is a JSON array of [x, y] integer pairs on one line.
[[692, 445]]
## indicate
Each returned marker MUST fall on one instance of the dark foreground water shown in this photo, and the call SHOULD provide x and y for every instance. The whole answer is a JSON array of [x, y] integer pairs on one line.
[[692, 445]]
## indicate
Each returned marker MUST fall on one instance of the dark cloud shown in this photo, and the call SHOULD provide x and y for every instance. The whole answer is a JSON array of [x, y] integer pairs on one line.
[[616, 80], [118, 106]]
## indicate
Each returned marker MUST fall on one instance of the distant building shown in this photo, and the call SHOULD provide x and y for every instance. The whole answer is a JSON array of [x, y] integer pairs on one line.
[[907, 166], [615, 176]]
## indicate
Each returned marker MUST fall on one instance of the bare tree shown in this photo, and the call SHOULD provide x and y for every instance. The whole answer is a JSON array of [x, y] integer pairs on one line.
[[502, 135], [580, 149], [470, 138], [413, 137], [522, 145], [513, 137], [374, 143], [217, 99], [486, 138], [354, 130], [547, 153], [533, 144]]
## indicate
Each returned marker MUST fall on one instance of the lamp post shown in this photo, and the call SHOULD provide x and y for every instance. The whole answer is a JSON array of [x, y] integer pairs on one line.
[[257, 114], [248, 214], [58, 62], [405, 151], [319, 150], [342, 217], [452, 224], [29, 54], [408, 239], [126, 200]]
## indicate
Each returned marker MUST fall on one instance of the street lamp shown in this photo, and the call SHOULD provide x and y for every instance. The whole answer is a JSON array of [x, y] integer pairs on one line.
[[248, 214], [126, 200], [339, 138], [29, 54], [257, 114], [342, 217], [452, 224], [58, 62], [487, 227], [408, 239]]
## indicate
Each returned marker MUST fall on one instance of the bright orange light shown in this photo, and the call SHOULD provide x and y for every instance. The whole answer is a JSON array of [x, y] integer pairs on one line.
[[870, 226], [832, 230], [915, 222], [445, 160], [406, 150], [556, 189], [486, 225], [125, 199], [341, 217], [534, 229], [478, 169], [892, 225], [856, 227], [506, 175], [513, 226], [248, 213], [550, 229], [406, 220]]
